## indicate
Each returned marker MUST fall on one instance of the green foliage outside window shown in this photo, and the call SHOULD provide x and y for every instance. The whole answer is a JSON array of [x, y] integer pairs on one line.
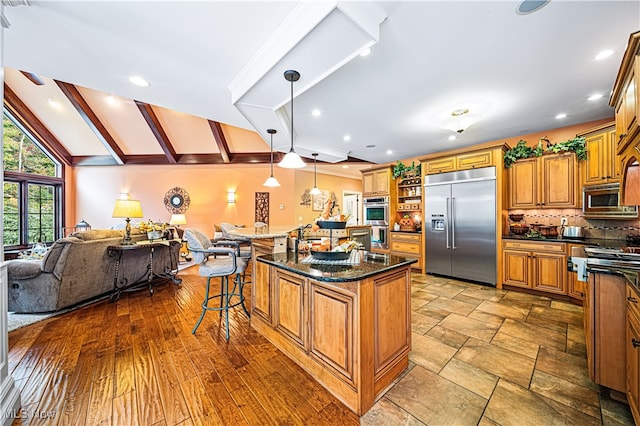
[[24, 157]]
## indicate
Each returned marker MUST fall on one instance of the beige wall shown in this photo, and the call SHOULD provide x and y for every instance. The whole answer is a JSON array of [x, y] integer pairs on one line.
[[97, 188]]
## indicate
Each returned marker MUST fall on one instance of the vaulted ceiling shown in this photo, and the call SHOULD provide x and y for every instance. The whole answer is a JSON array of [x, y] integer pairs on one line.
[[216, 75]]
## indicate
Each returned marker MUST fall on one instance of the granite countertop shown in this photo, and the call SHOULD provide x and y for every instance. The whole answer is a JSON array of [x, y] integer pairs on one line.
[[406, 232], [586, 241], [263, 231], [370, 264]]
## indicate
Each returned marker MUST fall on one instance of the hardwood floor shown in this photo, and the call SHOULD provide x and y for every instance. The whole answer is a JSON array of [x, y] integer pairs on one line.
[[136, 362], [479, 356]]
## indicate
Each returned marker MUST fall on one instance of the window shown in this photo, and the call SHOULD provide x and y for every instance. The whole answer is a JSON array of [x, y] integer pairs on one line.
[[32, 189]]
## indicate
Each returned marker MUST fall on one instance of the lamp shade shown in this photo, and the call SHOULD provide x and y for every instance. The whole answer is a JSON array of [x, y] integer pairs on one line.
[[292, 161], [271, 182], [127, 209], [178, 219]]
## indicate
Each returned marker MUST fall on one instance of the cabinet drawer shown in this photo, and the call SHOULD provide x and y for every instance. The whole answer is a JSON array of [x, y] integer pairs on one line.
[[470, 161], [441, 165], [405, 247], [534, 246], [406, 237]]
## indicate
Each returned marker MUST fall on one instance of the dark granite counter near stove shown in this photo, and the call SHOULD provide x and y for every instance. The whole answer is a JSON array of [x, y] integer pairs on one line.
[[370, 264], [586, 241]]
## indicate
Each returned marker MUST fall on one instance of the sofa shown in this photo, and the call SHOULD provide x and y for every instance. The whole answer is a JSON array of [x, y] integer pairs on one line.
[[79, 268]]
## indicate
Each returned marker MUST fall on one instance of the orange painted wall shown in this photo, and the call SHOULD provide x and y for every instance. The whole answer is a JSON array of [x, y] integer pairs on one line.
[[304, 180], [98, 187], [207, 185]]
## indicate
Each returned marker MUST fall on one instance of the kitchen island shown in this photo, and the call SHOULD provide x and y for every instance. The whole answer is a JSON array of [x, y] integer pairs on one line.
[[348, 325]]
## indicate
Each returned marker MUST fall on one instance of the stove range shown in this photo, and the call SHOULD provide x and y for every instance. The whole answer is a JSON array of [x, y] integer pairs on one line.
[[623, 261]]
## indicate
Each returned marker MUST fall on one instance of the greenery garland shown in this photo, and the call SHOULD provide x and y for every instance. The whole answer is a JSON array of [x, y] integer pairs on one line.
[[400, 169], [521, 150]]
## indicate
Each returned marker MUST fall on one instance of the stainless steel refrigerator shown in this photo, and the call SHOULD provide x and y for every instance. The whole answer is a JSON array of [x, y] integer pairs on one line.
[[460, 213]]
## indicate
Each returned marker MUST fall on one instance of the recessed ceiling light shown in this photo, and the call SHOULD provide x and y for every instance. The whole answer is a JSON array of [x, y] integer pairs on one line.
[[603, 55], [452, 138], [139, 81], [111, 100], [365, 52], [526, 7], [54, 103], [595, 97], [345, 167], [562, 115], [370, 146], [346, 138], [389, 152], [316, 112]]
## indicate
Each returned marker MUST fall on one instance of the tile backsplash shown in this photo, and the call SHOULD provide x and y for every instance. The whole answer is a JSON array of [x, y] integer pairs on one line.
[[594, 228]]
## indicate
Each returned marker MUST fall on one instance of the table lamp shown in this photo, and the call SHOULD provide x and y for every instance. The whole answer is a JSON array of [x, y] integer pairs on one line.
[[126, 208], [178, 219]]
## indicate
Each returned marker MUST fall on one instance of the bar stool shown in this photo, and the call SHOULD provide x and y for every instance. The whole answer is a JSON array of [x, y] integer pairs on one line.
[[217, 261]]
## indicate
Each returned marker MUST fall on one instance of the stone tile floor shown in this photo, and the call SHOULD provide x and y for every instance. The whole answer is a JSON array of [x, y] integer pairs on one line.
[[483, 356]]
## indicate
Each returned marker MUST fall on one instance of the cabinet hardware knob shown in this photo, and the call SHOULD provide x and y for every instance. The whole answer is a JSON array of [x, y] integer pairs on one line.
[[635, 342], [632, 299]]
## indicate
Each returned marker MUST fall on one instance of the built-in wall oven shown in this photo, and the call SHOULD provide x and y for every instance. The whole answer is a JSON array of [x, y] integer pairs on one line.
[[376, 214]]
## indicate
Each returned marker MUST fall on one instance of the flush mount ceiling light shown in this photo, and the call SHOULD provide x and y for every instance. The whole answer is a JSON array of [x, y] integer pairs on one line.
[[138, 81], [526, 7], [316, 112], [271, 181], [561, 116], [595, 97], [603, 55], [346, 138], [314, 190], [365, 52], [292, 160], [460, 120]]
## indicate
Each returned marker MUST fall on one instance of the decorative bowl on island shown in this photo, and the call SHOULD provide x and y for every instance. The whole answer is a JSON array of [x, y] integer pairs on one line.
[[331, 224]]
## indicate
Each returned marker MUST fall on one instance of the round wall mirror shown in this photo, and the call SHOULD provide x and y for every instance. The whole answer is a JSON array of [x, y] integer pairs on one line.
[[176, 200]]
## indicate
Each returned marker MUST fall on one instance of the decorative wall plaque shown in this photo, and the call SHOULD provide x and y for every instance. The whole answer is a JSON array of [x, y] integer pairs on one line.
[[177, 200], [262, 207]]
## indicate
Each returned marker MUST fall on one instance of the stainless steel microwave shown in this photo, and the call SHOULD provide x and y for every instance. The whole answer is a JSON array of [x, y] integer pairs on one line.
[[603, 202]]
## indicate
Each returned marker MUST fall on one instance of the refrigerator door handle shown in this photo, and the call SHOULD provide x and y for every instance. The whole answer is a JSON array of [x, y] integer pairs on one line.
[[446, 227], [453, 223]]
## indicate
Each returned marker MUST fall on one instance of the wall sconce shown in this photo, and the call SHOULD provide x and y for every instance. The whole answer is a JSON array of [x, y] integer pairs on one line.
[[231, 196]]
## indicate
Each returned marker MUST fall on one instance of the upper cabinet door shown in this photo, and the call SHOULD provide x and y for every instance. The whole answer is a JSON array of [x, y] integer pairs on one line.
[[523, 184], [560, 181]]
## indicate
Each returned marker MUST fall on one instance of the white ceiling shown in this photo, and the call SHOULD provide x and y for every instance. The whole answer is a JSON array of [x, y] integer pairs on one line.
[[224, 61]]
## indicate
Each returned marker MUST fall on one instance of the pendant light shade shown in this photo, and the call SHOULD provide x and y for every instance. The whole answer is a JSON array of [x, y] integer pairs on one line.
[[315, 190], [271, 181], [292, 160]]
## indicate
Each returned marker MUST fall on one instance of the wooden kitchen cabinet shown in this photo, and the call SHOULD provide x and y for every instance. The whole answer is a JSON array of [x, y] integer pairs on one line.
[[633, 352], [535, 265], [604, 328], [376, 182], [627, 107], [290, 315], [407, 244], [602, 164], [459, 162], [548, 181]]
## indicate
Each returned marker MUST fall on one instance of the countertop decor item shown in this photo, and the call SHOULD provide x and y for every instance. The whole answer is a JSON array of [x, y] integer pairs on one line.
[[516, 217]]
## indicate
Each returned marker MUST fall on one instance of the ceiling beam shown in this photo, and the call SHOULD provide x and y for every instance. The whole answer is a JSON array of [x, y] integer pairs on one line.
[[218, 134], [79, 103], [158, 131], [34, 78], [29, 121]]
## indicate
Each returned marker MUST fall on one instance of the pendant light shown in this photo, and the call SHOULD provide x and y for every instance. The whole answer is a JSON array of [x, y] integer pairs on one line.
[[292, 160], [271, 181], [314, 190]]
